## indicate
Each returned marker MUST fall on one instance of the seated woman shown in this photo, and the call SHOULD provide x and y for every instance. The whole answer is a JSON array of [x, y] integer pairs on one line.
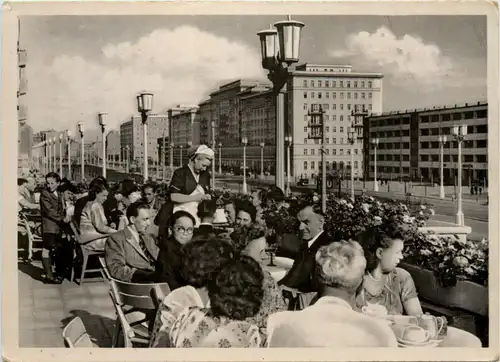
[[386, 284], [94, 229], [331, 321], [235, 294], [203, 258], [170, 256]]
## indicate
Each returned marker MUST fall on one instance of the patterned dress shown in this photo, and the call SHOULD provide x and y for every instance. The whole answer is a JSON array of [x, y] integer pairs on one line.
[[198, 328]]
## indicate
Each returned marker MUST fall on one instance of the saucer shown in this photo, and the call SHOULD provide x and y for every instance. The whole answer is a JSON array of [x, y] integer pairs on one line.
[[429, 344]]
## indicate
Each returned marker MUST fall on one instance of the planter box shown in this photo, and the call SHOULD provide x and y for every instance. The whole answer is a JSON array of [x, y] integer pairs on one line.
[[466, 295]]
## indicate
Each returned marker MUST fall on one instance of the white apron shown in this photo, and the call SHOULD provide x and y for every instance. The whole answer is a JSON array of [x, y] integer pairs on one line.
[[192, 206]]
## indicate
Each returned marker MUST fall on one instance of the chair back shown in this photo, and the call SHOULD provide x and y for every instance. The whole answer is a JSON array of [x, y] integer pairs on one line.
[[75, 335], [137, 295], [158, 296], [104, 268], [76, 232]]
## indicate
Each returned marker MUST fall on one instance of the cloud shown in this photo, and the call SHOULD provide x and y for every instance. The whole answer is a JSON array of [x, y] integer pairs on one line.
[[180, 66], [408, 59]]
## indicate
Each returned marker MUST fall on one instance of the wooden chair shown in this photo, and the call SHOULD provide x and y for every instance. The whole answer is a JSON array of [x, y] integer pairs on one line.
[[33, 238], [75, 335], [134, 304], [104, 269], [85, 255]]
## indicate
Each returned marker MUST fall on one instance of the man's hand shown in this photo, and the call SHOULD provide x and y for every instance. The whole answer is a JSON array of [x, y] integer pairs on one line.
[[206, 197]]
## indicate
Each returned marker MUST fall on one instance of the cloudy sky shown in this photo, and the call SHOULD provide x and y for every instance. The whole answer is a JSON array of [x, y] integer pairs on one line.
[[81, 65]]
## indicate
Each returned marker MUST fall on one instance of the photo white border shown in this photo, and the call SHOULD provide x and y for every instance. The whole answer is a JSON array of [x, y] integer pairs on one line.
[[9, 126]]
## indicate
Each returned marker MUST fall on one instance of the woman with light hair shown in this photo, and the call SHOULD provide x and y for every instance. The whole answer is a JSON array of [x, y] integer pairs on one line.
[[331, 321]]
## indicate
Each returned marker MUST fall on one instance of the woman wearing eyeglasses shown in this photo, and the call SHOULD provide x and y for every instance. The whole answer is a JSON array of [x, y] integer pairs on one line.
[[170, 256]]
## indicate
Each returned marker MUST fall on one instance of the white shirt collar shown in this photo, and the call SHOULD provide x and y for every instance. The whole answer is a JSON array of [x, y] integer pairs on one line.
[[310, 242]]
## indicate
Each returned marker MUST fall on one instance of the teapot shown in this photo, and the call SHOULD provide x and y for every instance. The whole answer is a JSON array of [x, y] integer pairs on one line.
[[220, 217], [436, 326]]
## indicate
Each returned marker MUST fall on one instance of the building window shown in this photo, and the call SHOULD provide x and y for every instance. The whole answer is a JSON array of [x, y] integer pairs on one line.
[[349, 106], [334, 106], [481, 158], [305, 129], [305, 84], [341, 129], [305, 95], [355, 151], [482, 113], [369, 107], [369, 84], [482, 143], [341, 140], [334, 84], [327, 117], [327, 140], [341, 152], [328, 129], [348, 95], [341, 118], [319, 84], [355, 95], [312, 165], [327, 94], [334, 130], [305, 106], [355, 164], [348, 84], [327, 151], [327, 84], [457, 116], [342, 107], [319, 95], [370, 95], [312, 95], [334, 140], [312, 152], [341, 95], [334, 117], [312, 83], [305, 141], [348, 152], [363, 95], [305, 118], [305, 165], [341, 84], [334, 95], [355, 84], [305, 151]]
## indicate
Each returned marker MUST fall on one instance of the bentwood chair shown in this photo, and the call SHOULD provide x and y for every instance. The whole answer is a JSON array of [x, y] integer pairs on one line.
[[75, 335], [85, 255]]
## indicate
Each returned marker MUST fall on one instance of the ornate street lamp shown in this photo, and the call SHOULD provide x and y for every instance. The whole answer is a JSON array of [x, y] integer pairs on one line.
[[279, 50], [244, 142], [351, 137], [144, 106], [262, 160], [459, 133], [103, 120], [375, 142], [442, 141], [288, 141], [69, 136], [82, 145]]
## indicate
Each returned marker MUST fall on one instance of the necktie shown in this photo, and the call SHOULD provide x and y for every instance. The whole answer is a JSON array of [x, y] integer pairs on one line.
[[144, 249]]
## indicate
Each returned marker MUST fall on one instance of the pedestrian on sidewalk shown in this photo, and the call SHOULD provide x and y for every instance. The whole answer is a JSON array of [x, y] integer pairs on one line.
[[480, 191]]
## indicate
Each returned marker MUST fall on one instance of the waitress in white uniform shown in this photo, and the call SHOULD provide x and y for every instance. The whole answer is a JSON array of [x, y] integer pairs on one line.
[[190, 185]]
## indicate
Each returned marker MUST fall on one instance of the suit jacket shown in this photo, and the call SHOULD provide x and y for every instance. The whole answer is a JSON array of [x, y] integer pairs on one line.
[[302, 274], [52, 211], [124, 256], [204, 231], [183, 182]]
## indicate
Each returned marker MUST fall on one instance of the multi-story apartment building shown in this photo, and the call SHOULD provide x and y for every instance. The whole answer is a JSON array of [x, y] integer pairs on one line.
[[132, 135], [185, 125], [205, 121], [341, 92], [409, 145]]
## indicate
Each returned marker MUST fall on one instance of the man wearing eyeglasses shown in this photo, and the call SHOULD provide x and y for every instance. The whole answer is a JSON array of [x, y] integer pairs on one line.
[[131, 253]]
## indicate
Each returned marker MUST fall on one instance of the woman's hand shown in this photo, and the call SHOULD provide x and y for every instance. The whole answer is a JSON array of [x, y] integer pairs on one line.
[[206, 197]]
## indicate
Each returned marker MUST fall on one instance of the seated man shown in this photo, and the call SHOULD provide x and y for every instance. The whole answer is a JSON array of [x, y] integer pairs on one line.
[[25, 198], [131, 253], [331, 321], [150, 197], [206, 213]]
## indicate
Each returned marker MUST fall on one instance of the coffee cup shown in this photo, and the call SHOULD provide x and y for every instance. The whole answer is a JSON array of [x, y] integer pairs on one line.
[[415, 335], [374, 310]]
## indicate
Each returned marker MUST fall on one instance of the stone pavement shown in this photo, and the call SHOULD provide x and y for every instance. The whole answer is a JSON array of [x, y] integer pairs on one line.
[[44, 310]]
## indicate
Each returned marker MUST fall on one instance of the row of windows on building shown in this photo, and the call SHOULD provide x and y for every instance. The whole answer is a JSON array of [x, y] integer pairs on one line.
[[389, 122], [317, 141], [348, 95], [340, 83], [389, 134], [329, 164], [455, 116], [483, 128], [334, 129], [432, 158], [327, 151], [356, 107], [454, 144]]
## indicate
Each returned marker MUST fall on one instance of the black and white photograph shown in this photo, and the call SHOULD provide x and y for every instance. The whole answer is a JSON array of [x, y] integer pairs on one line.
[[301, 178]]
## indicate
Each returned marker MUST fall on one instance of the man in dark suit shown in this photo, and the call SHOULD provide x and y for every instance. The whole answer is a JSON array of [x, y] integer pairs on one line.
[[185, 181], [53, 216], [206, 213], [131, 253], [302, 274]]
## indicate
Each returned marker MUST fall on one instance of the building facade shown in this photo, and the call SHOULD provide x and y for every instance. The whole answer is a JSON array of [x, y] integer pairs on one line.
[[185, 125], [132, 135], [113, 145], [341, 92], [409, 146]]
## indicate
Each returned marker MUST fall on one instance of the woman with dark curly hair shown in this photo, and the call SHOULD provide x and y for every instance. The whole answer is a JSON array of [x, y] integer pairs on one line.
[[235, 295], [392, 287], [202, 259], [170, 256]]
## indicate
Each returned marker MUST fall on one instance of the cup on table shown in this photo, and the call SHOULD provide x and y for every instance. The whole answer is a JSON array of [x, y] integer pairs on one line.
[[374, 310]]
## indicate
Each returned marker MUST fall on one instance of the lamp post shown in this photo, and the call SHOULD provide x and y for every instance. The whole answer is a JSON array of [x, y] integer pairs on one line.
[[220, 158], [459, 133], [244, 141], [172, 156], [375, 142], [288, 141], [54, 163], [164, 150], [351, 137], [262, 160], [127, 159], [49, 157], [180, 147], [69, 136], [60, 155], [144, 106], [103, 118], [279, 50], [82, 150], [442, 140], [213, 161], [317, 125]]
